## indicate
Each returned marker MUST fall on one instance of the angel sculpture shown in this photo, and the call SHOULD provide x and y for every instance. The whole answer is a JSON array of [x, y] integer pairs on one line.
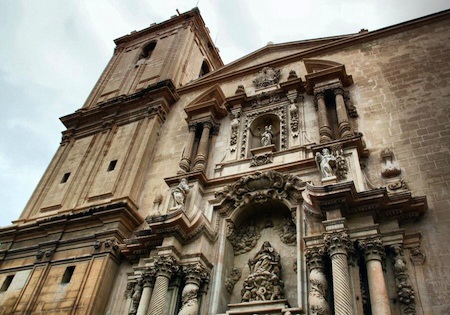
[[325, 161]]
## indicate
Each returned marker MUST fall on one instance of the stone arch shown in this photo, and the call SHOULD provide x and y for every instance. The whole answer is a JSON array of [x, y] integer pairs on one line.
[[261, 207]]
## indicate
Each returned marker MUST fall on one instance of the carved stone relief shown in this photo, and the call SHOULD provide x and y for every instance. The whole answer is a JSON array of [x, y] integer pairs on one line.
[[265, 98], [232, 279], [235, 122], [287, 231], [351, 109], [264, 281], [266, 77], [244, 238], [263, 159], [405, 291], [390, 167]]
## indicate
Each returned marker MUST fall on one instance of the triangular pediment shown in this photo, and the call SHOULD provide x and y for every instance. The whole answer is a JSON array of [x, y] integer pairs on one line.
[[272, 52]]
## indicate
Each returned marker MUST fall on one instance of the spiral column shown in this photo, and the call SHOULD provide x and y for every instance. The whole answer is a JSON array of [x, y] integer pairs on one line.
[[337, 245], [164, 266]]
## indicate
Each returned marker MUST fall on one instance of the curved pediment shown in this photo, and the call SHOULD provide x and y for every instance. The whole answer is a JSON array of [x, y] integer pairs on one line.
[[316, 65]]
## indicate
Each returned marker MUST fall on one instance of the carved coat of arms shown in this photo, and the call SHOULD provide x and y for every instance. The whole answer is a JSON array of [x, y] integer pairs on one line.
[[267, 76]]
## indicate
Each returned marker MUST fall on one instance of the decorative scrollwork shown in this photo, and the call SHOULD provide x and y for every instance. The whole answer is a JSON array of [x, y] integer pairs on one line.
[[259, 187]]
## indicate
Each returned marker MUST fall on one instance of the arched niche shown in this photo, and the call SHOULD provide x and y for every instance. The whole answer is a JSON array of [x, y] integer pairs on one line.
[[263, 206], [254, 225], [258, 128]]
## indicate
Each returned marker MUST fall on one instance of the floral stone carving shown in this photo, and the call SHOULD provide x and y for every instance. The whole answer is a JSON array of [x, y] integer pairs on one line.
[[266, 77], [263, 159], [405, 291], [264, 283]]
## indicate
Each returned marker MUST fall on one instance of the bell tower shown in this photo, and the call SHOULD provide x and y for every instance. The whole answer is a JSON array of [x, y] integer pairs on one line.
[[66, 239]]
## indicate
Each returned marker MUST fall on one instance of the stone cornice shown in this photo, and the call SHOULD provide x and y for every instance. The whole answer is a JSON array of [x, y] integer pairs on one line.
[[53, 232], [377, 202], [152, 101], [319, 50], [176, 224]]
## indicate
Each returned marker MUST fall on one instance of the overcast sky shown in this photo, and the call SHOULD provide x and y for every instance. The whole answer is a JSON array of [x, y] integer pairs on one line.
[[53, 51]]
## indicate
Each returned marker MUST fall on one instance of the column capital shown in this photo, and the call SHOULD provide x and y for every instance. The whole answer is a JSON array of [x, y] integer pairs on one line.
[[195, 273], [192, 126], [148, 278], [373, 248], [338, 243], [314, 257], [319, 95], [165, 266], [339, 91]]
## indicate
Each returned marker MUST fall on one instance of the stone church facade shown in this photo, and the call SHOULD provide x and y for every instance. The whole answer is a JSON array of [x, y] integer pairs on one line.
[[310, 177]]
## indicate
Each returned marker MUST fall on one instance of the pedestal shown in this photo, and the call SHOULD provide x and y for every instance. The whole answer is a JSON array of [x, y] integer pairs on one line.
[[258, 307]]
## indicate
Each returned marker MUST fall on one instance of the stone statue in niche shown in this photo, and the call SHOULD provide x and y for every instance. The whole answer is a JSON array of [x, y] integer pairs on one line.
[[325, 161], [179, 194], [264, 283], [266, 136], [266, 77]]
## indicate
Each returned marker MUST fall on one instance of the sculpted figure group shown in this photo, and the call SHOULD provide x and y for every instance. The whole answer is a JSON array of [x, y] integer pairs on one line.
[[263, 283]]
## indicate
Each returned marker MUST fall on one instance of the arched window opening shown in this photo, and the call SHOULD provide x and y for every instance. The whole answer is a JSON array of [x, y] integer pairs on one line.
[[204, 69], [146, 53]]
